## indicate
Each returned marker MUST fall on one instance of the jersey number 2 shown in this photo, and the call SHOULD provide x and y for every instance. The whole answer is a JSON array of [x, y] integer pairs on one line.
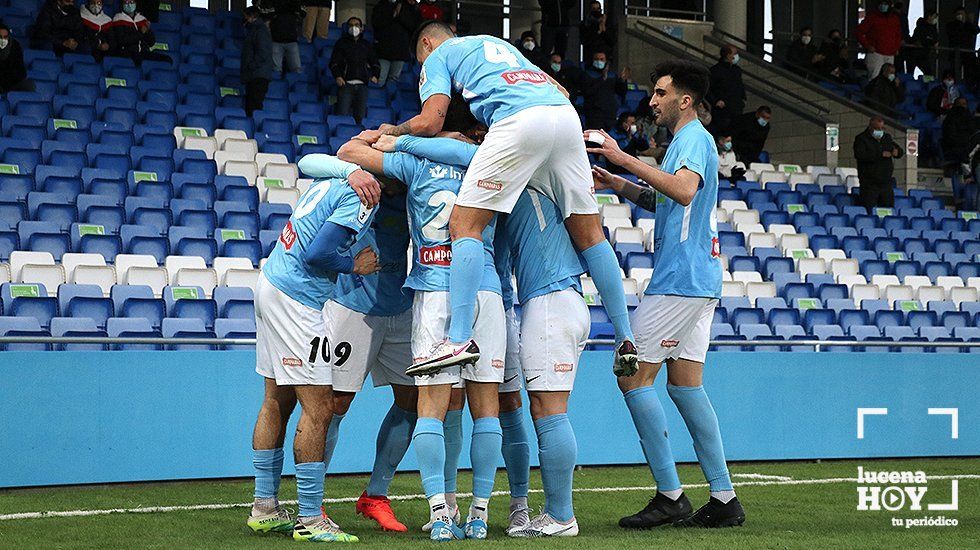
[[438, 227]]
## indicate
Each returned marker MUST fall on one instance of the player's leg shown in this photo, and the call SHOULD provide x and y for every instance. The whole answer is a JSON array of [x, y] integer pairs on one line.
[[267, 458], [453, 429], [517, 454], [557, 451], [484, 453], [341, 404], [430, 447]]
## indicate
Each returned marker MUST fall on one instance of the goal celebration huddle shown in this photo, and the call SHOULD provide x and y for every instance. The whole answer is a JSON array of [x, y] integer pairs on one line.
[[492, 185]]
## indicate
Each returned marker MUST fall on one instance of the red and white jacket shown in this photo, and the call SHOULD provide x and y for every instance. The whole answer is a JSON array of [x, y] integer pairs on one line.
[[96, 25]]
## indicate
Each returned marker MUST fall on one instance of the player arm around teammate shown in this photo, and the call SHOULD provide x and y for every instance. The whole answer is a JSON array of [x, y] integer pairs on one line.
[[674, 319]]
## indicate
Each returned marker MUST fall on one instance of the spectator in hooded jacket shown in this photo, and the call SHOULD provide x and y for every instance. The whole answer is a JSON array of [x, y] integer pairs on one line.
[[726, 91], [132, 37], [925, 43], [394, 24], [13, 73], [597, 31], [881, 36], [958, 128], [353, 63], [256, 63], [284, 26], [528, 45], [59, 28], [97, 25]]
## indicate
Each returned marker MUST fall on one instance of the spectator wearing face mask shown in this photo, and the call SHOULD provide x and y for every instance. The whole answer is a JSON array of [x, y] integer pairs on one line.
[[729, 167], [597, 31], [961, 34], [925, 43], [881, 36], [603, 90], [256, 63], [429, 10], [874, 151], [834, 64], [353, 63], [627, 135], [885, 91], [394, 23], [943, 95], [566, 74], [528, 45], [59, 28], [13, 73], [958, 128], [726, 91], [749, 132], [131, 36], [803, 54], [284, 26], [97, 25]]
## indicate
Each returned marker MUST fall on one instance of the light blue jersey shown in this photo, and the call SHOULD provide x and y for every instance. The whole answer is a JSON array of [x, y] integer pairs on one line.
[[381, 294], [494, 78], [327, 200], [686, 251], [432, 189], [542, 252]]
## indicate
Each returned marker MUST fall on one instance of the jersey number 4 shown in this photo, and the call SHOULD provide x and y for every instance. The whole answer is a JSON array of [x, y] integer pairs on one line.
[[321, 346], [495, 53]]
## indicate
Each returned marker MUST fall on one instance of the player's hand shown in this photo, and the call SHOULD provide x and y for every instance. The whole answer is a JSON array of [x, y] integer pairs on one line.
[[886, 154], [340, 81], [385, 143], [604, 179], [366, 187], [370, 136], [609, 148], [366, 262], [374, 80]]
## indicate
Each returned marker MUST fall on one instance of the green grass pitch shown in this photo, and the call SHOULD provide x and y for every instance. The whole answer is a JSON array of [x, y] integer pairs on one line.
[[781, 513]]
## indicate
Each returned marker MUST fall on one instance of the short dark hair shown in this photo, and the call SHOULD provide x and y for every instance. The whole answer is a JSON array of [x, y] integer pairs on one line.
[[804, 29], [686, 75], [876, 118], [353, 17], [251, 11], [431, 28], [764, 109], [459, 118], [727, 49], [623, 116], [950, 73]]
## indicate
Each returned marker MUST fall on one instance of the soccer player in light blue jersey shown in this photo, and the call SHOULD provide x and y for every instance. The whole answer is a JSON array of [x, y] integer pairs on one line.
[[554, 328], [532, 137], [673, 321], [432, 193], [292, 351]]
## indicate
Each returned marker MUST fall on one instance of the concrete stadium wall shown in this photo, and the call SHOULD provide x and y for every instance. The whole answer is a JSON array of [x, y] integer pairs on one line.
[[77, 417]]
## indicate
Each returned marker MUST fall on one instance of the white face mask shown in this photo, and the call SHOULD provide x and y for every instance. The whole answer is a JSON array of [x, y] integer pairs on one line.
[[735, 59], [4, 42], [632, 128], [355, 31], [806, 39], [529, 45], [961, 18], [96, 9]]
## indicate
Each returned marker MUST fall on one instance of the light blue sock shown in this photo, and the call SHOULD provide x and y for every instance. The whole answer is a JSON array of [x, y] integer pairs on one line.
[[430, 448], [268, 471], [696, 410], [453, 429], [394, 437], [605, 273], [484, 454], [333, 432], [309, 487], [465, 276], [651, 425], [517, 453], [557, 450]]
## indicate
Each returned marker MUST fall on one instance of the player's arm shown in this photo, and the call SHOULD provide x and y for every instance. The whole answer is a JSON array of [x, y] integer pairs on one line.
[[359, 152], [640, 195], [557, 85], [427, 123], [680, 186], [440, 149], [319, 165], [324, 256]]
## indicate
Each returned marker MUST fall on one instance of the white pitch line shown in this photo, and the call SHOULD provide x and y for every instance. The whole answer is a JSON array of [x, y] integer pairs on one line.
[[186, 508], [763, 476]]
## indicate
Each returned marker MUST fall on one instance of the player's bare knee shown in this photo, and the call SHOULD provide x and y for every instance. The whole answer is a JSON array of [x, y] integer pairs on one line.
[[510, 401], [548, 403], [406, 397], [645, 376], [468, 222], [457, 399], [342, 402], [585, 230], [684, 372], [483, 399]]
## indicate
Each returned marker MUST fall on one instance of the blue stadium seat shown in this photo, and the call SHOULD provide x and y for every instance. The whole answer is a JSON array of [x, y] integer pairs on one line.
[[22, 326], [12, 213], [132, 328], [29, 300], [76, 327], [818, 317], [137, 301], [183, 306], [16, 187], [235, 302], [853, 317], [187, 328], [274, 216], [84, 301], [243, 248], [919, 319], [204, 219]]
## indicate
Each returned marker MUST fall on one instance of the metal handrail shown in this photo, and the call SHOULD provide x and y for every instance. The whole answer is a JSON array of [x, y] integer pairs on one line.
[[650, 11], [653, 34]]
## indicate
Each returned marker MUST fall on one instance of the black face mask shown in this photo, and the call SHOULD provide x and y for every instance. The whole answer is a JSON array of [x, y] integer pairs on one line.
[[596, 14]]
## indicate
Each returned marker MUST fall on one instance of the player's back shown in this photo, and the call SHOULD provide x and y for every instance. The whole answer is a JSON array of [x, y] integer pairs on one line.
[[543, 255], [493, 76], [381, 293], [326, 200]]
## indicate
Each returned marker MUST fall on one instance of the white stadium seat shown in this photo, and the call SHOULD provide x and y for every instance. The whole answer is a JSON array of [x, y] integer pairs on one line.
[[895, 293], [859, 293], [302, 184], [265, 159], [761, 167], [851, 280], [183, 132], [926, 294], [768, 177], [949, 282], [884, 280], [761, 240], [222, 158], [616, 211], [104, 276], [283, 171], [760, 290], [747, 276], [844, 267], [958, 295], [241, 277], [731, 206], [176, 263], [794, 241], [154, 277], [4, 273], [208, 145], [732, 288], [244, 149], [286, 195], [917, 281], [246, 169], [223, 264], [205, 278], [628, 235], [71, 260], [831, 254], [20, 258], [806, 266], [125, 261], [744, 217], [51, 276], [222, 135]]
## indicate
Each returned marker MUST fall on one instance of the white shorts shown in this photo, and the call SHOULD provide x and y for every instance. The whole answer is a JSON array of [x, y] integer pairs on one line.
[[290, 339], [672, 327], [555, 328], [513, 376], [362, 344], [430, 324], [541, 145]]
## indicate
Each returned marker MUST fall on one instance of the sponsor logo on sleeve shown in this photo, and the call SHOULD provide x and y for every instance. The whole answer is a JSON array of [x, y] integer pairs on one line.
[[524, 75], [292, 362], [439, 255], [287, 237]]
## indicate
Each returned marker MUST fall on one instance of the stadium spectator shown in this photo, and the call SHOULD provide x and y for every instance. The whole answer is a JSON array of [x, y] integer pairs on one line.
[[598, 31], [834, 64], [59, 27], [874, 151], [603, 89], [803, 54], [528, 45], [961, 34], [902, 61], [257, 65], [13, 73], [556, 22], [267, 8], [958, 128], [942, 96], [726, 93], [394, 24], [353, 63], [317, 19], [97, 27], [568, 75], [729, 167], [885, 91], [925, 43], [284, 26], [429, 10], [131, 36], [881, 36], [631, 141], [749, 134]]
